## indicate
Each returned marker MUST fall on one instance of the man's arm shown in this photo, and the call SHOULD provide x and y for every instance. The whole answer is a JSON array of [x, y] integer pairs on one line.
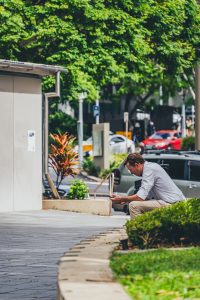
[[120, 199]]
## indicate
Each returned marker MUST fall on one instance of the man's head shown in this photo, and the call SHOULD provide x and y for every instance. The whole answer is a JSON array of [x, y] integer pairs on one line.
[[135, 163]]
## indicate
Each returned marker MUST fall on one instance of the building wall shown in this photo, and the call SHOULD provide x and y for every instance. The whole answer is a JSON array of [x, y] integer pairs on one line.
[[20, 157]]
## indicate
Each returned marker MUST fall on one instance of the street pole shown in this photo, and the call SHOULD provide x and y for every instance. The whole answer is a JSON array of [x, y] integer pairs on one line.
[[193, 119], [97, 115], [197, 108], [183, 117], [81, 97], [126, 117], [161, 95]]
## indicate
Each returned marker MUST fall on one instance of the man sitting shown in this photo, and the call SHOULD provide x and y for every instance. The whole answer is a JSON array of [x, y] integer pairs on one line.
[[157, 188]]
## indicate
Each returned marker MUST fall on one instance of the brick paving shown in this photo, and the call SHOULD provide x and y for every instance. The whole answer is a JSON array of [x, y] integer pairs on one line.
[[31, 244]]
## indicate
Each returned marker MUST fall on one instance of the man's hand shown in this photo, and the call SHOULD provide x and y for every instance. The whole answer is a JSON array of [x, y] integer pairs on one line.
[[116, 198]]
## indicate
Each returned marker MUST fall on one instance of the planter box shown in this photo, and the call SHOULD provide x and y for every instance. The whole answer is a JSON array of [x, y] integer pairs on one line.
[[91, 206]]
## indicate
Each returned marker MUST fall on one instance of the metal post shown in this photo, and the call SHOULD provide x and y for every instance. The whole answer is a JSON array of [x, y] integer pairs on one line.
[[126, 118], [183, 121], [46, 141], [97, 115], [46, 136], [127, 136], [193, 119], [161, 95], [82, 96], [197, 108]]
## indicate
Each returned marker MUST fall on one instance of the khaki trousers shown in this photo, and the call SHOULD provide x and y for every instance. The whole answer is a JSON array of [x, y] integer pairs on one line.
[[139, 207]]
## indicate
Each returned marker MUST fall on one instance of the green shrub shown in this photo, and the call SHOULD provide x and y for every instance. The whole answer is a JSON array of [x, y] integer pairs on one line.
[[62, 156], [78, 190], [106, 172], [59, 121], [90, 167], [188, 143], [118, 158], [177, 224], [115, 162]]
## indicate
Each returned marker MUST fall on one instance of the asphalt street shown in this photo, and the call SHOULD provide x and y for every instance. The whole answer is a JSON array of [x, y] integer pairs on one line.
[[103, 189], [32, 243]]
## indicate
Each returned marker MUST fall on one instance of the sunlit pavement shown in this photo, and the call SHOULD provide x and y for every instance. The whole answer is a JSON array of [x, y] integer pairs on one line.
[[32, 243]]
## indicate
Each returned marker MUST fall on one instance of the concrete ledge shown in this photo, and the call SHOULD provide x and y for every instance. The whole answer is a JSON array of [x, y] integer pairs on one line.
[[84, 271], [100, 207]]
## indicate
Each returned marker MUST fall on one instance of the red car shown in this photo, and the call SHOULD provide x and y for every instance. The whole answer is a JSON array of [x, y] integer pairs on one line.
[[163, 139]]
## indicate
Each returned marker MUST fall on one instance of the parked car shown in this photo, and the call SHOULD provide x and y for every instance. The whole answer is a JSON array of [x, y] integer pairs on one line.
[[183, 167], [87, 144], [117, 144], [163, 139]]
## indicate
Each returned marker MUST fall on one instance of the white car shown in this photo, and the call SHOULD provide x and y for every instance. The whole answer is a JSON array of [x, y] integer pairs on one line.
[[121, 144], [118, 144]]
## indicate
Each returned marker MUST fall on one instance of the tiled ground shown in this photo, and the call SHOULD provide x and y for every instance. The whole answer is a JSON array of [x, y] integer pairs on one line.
[[31, 244]]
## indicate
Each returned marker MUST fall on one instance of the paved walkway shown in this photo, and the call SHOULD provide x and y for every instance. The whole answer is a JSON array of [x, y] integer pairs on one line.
[[31, 243]]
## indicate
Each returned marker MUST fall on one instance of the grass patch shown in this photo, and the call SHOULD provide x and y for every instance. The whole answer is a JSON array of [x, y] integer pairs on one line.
[[159, 274]]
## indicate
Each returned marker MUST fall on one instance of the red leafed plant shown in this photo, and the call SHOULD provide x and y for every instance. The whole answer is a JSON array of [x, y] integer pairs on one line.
[[63, 158]]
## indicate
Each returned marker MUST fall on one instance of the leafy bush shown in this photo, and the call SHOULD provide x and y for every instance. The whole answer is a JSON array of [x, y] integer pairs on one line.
[[90, 167], [63, 158], [78, 190], [59, 121], [188, 143], [177, 224], [115, 162]]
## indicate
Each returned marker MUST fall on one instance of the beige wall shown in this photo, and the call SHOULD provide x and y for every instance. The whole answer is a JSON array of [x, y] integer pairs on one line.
[[21, 170]]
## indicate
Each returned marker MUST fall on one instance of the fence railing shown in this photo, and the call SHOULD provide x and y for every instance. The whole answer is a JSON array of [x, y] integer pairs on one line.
[[110, 179]]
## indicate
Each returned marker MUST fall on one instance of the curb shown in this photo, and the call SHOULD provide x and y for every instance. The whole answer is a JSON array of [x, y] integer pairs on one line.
[[84, 271]]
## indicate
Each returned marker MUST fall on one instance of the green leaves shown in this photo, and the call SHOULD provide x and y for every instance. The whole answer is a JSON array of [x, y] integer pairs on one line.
[[176, 224], [63, 158], [78, 190], [104, 42], [159, 274]]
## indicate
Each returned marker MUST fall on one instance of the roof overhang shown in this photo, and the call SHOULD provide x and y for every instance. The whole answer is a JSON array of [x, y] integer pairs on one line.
[[29, 68]]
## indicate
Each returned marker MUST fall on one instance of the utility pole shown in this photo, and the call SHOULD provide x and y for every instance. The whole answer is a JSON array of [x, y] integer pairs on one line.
[[81, 97], [97, 113], [126, 118], [161, 94], [193, 119], [197, 108], [183, 127]]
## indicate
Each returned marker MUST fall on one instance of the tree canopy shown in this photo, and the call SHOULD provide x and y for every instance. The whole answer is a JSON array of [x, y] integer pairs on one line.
[[132, 44]]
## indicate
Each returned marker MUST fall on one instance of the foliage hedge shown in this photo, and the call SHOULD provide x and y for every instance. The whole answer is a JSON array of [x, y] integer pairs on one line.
[[90, 167], [177, 224]]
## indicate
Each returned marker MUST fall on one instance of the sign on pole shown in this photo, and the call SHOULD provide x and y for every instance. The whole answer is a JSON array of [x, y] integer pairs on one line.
[[126, 115], [95, 110]]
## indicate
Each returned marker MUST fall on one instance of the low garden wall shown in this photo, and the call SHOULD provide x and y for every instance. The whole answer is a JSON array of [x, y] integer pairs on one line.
[[92, 206]]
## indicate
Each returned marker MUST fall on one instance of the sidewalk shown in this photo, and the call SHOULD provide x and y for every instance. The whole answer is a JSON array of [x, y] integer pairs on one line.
[[32, 243]]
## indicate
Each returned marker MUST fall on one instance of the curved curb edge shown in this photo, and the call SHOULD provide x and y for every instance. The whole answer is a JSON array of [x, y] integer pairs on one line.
[[84, 271]]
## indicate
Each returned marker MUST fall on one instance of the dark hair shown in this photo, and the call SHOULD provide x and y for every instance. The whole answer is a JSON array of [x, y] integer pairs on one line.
[[134, 158]]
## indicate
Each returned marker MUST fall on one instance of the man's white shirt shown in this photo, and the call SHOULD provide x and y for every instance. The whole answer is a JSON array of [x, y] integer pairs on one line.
[[156, 184]]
